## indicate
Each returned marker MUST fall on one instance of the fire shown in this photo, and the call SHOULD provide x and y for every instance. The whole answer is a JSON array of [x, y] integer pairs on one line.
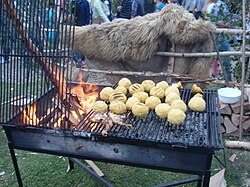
[[86, 97], [29, 115]]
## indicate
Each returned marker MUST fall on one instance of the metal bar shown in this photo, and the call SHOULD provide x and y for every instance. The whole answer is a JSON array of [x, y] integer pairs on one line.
[[13, 157], [179, 182], [91, 172]]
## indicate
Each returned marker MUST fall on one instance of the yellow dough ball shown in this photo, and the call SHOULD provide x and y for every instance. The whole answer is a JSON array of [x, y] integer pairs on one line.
[[157, 92], [177, 85], [152, 102], [163, 84], [135, 88], [122, 89], [117, 107], [131, 102], [140, 110], [142, 96], [147, 85], [105, 93], [176, 116], [119, 96], [196, 89], [100, 106], [124, 82], [179, 104], [197, 104], [162, 110], [171, 97], [171, 89]]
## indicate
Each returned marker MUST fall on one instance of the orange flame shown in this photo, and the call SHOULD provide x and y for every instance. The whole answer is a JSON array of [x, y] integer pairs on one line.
[[29, 115], [87, 98]]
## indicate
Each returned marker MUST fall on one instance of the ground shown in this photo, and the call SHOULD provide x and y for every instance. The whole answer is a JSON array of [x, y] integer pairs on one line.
[[48, 170]]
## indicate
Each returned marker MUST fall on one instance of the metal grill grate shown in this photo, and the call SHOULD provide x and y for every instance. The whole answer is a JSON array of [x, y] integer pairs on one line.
[[200, 129]]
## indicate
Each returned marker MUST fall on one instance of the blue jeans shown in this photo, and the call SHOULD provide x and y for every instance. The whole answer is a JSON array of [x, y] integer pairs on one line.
[[224, 45]]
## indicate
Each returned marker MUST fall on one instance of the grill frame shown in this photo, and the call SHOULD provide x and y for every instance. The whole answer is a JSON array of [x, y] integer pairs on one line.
[[173, 157]]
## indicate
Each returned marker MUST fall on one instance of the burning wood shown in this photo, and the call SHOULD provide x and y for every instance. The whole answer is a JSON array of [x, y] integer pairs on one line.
[[108, 120]]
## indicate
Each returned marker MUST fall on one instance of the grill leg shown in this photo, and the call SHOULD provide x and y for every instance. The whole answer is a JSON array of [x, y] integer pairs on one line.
[[14, 161], [206, 179]]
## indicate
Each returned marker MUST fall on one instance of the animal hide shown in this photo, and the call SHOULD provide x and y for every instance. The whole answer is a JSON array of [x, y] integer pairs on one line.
[[134, 42]]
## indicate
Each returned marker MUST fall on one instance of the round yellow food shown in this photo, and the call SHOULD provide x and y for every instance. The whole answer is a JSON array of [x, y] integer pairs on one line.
[[100, 106], [122, 89], [171, 97], [176, 116], [147, 85], [140, 110], [117, 107], [197, 104], [135, 88], [163, 84], [105, 93], [157, 92], [118, 96], [179, 104], [162, 110], [152, 102], [171, 89], [125, 82], [142, 96], [131, 102]]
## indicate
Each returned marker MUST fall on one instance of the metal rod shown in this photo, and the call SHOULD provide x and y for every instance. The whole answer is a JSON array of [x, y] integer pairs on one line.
[[243, 67], [92, 173], [183, 181]]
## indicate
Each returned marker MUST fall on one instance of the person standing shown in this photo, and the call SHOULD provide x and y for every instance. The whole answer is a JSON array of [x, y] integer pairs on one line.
[[124, 10], [197, 8], [99, 10], [83, 16], [159, 5], [188, 5], [137, 8]]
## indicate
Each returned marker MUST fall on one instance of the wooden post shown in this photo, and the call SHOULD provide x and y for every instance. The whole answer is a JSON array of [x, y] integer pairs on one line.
[[243, 67]]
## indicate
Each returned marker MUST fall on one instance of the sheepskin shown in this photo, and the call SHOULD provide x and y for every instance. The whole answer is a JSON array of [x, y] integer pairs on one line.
[[134, 42]]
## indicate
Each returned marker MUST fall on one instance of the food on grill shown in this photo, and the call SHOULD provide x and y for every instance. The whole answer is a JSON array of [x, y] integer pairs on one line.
[[140, 110], [100, 106], [162, 110], [147, 85], [125, 82], [179, 104], [196, 89], [122, 89], [171, 97], [157, 92], [117, 107], [105, 93], [132, 101], [176, 116], [171, 89], [163, 84], [197, 103], [142, 96], [135, 88], [152, 102], [108, 120], [177, 85], [119, 96]]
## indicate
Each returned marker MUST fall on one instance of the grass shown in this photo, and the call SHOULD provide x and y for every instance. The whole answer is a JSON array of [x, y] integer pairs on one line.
[[47, 170]]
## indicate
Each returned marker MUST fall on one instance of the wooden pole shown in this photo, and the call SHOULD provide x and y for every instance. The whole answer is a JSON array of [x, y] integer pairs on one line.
[[243, 67], [205, 55]]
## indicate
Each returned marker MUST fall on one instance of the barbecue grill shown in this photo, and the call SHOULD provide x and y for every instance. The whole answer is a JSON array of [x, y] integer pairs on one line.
[[42, 110]]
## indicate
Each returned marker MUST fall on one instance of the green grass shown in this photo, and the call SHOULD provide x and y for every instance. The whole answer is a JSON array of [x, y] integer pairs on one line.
[[47, 170]]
